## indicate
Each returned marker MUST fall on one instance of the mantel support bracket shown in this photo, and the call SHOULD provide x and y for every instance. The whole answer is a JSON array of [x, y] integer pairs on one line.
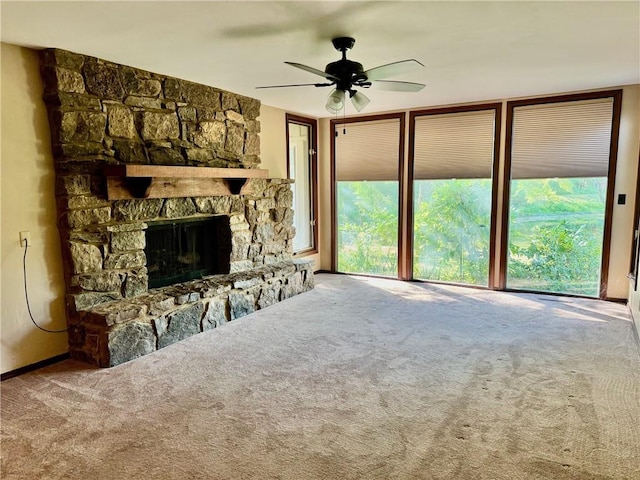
[[235, 184], [139, 187]]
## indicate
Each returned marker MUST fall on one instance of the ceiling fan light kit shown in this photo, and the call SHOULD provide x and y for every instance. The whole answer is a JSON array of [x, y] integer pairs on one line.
[[346, 74], [335, 101], [359, 100]]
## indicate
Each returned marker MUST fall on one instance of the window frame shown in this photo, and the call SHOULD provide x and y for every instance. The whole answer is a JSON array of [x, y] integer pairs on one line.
[[497, 108], [401, 185], [312, 124], [506, 180]]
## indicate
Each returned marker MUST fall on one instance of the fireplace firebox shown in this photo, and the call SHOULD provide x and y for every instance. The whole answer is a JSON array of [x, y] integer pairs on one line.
[[182, 250]]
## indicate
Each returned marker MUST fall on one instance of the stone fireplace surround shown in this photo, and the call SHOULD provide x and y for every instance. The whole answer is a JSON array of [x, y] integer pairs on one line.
[[103, 115]]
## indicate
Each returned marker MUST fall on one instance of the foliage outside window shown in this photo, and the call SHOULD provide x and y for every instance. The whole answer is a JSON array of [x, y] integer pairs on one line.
[[556, 229], [368, 227], [452, 230]]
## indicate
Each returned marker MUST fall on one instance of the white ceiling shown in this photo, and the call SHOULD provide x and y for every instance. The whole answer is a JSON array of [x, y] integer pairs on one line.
[[473, 51]]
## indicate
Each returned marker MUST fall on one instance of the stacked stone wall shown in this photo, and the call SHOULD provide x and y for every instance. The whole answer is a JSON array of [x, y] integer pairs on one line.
[[105, 113], [101, 114]]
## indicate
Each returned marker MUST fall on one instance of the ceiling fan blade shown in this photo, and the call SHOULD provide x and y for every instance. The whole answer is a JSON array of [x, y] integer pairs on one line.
[[313, 70], [394, 86], [392, 69], [299, 85]]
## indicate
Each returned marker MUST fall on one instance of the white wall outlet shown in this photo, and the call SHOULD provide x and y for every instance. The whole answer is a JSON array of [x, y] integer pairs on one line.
[[25, 239]]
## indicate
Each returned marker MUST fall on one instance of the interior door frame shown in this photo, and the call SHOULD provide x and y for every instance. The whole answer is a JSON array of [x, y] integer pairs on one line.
[[611, 176]]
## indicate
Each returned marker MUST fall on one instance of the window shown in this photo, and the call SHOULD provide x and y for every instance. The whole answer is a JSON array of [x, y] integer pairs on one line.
[[441, 221], [559, 193], [302, 168], [367, 153], [452, 164]]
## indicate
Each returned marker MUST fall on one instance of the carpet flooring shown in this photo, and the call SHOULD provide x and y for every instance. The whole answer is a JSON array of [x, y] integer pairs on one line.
[[358, 379]]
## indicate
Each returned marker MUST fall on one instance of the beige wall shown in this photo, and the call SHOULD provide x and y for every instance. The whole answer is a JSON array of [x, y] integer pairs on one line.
[[273, 144], [324, 193], [27, 202]]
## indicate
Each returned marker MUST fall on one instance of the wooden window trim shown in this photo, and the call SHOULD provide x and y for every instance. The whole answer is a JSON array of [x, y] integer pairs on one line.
[[497, 107], [334, 208], [613, 155], [312, 123]]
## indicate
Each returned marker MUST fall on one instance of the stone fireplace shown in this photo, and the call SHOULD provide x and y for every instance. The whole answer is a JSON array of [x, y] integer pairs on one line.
[[158, 186]]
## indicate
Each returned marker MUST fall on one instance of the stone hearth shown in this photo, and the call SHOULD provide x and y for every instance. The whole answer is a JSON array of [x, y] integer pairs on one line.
[[104, 115], [118, 331]]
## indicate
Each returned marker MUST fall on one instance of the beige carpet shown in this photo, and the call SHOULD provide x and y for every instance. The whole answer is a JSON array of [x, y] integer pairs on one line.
[[358, 379]]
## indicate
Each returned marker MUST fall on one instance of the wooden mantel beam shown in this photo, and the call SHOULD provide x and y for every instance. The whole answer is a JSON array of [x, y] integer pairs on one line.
[[158, 181], [167, 171]]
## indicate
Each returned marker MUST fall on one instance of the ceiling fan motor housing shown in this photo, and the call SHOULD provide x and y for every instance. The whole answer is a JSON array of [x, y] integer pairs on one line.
[[349, 72]]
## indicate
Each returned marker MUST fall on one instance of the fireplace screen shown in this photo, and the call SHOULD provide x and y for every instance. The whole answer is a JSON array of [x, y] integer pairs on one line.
[[182, 250]]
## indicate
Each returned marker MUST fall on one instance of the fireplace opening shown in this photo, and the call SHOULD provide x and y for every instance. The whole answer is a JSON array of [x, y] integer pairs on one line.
[[182, 250]]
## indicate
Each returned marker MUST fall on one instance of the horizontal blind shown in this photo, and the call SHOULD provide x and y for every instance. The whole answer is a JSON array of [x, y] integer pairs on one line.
[[368, 150], [454, 145], [564, 139]]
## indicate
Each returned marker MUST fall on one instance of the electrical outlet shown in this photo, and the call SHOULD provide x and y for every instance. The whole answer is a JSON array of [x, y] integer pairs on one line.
[[25, 239]]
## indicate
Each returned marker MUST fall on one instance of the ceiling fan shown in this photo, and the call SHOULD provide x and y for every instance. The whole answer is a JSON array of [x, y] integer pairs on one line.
[[346, 74]]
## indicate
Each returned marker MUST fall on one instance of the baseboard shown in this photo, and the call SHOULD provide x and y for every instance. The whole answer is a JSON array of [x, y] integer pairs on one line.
[[615, 299], [634, 326], [34, 366]]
